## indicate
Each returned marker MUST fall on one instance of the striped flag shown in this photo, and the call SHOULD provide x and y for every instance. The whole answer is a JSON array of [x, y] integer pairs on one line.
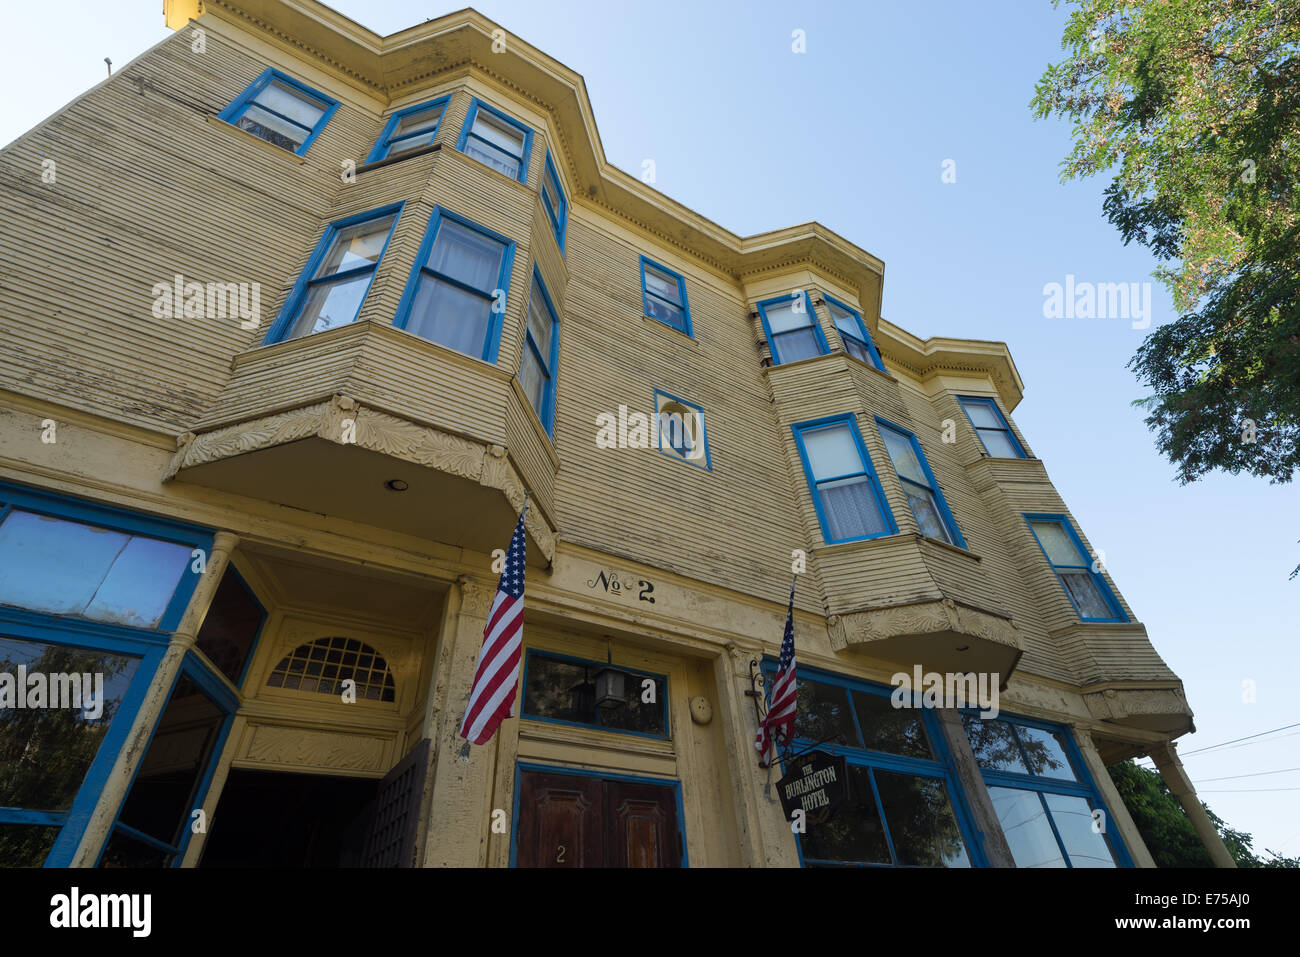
[[785, 691], [492, 698]]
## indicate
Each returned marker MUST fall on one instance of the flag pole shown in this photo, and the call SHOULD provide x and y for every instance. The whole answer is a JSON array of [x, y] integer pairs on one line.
[[767, 786]]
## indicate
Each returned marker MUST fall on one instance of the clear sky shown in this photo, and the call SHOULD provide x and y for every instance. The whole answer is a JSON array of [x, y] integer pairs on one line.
[[854, 133]]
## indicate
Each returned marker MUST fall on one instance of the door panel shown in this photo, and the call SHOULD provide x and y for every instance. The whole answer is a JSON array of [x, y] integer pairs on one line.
[[642, 825]]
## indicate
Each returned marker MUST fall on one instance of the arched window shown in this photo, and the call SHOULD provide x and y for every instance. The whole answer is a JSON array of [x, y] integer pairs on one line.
[[323, 665]]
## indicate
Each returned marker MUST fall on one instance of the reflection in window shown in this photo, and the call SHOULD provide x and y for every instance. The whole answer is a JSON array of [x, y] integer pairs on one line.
[[854, 834], [1024, 822], [921, 823], [324, 664], [822, 714], [25, 845], [231, 626], [890, 729], [560, 689], [1018, 749]]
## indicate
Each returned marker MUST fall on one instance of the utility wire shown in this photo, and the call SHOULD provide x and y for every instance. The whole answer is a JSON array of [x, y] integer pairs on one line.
[[1246, 738], [1256, 774]]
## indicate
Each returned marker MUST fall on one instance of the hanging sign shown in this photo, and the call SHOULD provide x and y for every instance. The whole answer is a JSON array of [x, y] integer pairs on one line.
[[816, 783]]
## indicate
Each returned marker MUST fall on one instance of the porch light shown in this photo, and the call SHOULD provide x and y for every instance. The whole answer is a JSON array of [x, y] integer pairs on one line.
[[609, 688]]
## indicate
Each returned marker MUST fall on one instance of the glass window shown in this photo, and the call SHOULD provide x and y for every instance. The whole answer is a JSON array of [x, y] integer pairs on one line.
[[410, 129], [792, 329], [231, 626], [553, 201], [496, 140], [822, 714], [922, 826], [541, 344], [1087, 590], [338, 276], [565, 689], [999, 441], [664, 296], [848, 500], [281, 110], [889, 729], [922, 491], [1024, 822], [322, 666], [853, 333], [679, 427]]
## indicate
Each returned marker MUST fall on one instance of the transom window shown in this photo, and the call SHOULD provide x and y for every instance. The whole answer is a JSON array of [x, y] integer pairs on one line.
[[541, 347], [457, 291], [576, 691], [680, 427], [496, 140], [663, 293], [1087, 590], [280, 110], [990, 425], [321, 666], [792, 328], [337, 277], [553, 201], [853, 333], [850, 504], [933, 518], [409, 129]]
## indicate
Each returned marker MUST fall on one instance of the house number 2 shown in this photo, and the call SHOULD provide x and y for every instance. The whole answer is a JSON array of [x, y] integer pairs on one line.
[[559, 858]]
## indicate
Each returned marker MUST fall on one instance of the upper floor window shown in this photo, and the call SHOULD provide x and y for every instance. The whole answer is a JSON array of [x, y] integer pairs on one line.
[[792, 328], [922, 491], [457, 291], [999, 441], [853, 333], [680, 427], [541, 348], [1087, 590], [663, 293], [281, 110], [553, 201], [409, 129], [850, 504], [338, 274], [500, 141]]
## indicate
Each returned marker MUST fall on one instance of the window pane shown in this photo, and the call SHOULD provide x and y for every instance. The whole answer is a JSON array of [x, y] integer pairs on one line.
[[415, 122], [533, 381], [408, 143], [832, 452], [994, 744], [500, 134], [558, 689], [25, 845], [540, 323], [920, 820], [851, 509], [1083, 589], [1074, 822], [856, 349], [926, 510], [140, 584], [551, 190], [499, 160], [890, 729], [1024, 822], [272, 128], [782, 317], [662, 285], [998, 445], [467, 255], [904, 456], [665, 312], [331, 304], [822, 714], [46, 751], [635, 714], [844, 319], [1057, 543], [793, 346], [854, 833], [1045, 752], [122, 851], [292, 103], [983, 416], [356, 245], [450, 316], [230, 626]]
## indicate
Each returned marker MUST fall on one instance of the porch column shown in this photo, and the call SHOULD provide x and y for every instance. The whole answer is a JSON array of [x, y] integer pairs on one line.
[[132, 752], [1171, 769], [756, 819], [1119, 817], [967, 771]]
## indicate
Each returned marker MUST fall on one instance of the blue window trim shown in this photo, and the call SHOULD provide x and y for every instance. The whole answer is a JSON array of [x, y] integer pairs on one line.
[[767, 329], [962, 400], [492, 343], [1085, 786], [949, 519], [298, 294], [475, 105], [704, 435], [547, 413], [868, 469], [559, 218], [673, 783], [382, 146], [1086, 565], [685, 304], [586, 662], [236, 108], [940, 767], [867, 342]]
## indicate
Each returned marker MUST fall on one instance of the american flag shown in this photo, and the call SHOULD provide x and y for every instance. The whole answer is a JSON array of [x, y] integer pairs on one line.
[[492, 697], [785, 692]]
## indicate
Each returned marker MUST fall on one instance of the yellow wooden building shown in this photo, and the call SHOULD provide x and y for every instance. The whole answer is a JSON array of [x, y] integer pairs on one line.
[[295, 314]]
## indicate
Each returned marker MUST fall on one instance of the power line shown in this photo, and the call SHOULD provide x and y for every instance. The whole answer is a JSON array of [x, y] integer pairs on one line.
[[1245, 744], [1255, 774], [1247, 791], [1246, 738]]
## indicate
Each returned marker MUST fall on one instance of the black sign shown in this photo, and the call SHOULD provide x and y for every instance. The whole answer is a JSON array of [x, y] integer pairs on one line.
[[815, 783]]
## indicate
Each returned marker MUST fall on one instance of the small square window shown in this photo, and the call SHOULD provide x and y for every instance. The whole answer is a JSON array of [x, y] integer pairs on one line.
[[663, 293], [281, 111], [792, 329], [409, 129], [679, 427]]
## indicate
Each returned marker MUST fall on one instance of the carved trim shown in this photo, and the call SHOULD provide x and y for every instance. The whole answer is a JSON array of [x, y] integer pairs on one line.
[[924, 618], [300, 747], [248, 437]]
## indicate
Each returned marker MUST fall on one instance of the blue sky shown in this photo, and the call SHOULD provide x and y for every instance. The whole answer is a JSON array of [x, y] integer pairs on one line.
[[853, 133]]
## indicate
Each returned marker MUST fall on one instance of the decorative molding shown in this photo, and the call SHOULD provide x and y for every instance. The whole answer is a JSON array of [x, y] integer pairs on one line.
[[476, 597], [921, 618], [301, 747]]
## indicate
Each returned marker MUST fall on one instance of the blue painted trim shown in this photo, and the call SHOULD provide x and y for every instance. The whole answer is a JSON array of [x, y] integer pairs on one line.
[[984, 400], [297, 296], [236, 108], [851, 420], [674, 783], [138, 835], [812, 314], [382, 146], [227, 702], [704, 435], [547, 413], [684, 305], [21, 815], [1107, 595], [475, 105], [588, 663], [492, 344], [949, 519], [560, 217], [866, 335]]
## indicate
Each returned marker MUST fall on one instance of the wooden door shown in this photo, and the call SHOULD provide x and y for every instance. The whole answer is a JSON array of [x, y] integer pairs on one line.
[[641, 825]]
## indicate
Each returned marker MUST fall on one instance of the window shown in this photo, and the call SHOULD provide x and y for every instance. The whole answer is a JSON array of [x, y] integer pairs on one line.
[[792, 328], [574, 691], [663, 293], [457, 291], [541, 348], [999, 441], [1087, 590], [553, 201], [679, 426], [281, 110], [850, 504], [332, 287], [853, 333], [1042, 794], [497, 140], [409, 129], [323, 665], [922, 491]]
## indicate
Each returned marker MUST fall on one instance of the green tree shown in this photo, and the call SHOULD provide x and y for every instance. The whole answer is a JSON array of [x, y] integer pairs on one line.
[[1193, 106]]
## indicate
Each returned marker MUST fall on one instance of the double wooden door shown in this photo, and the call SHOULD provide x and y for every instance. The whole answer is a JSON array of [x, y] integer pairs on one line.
[[572, 820]]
